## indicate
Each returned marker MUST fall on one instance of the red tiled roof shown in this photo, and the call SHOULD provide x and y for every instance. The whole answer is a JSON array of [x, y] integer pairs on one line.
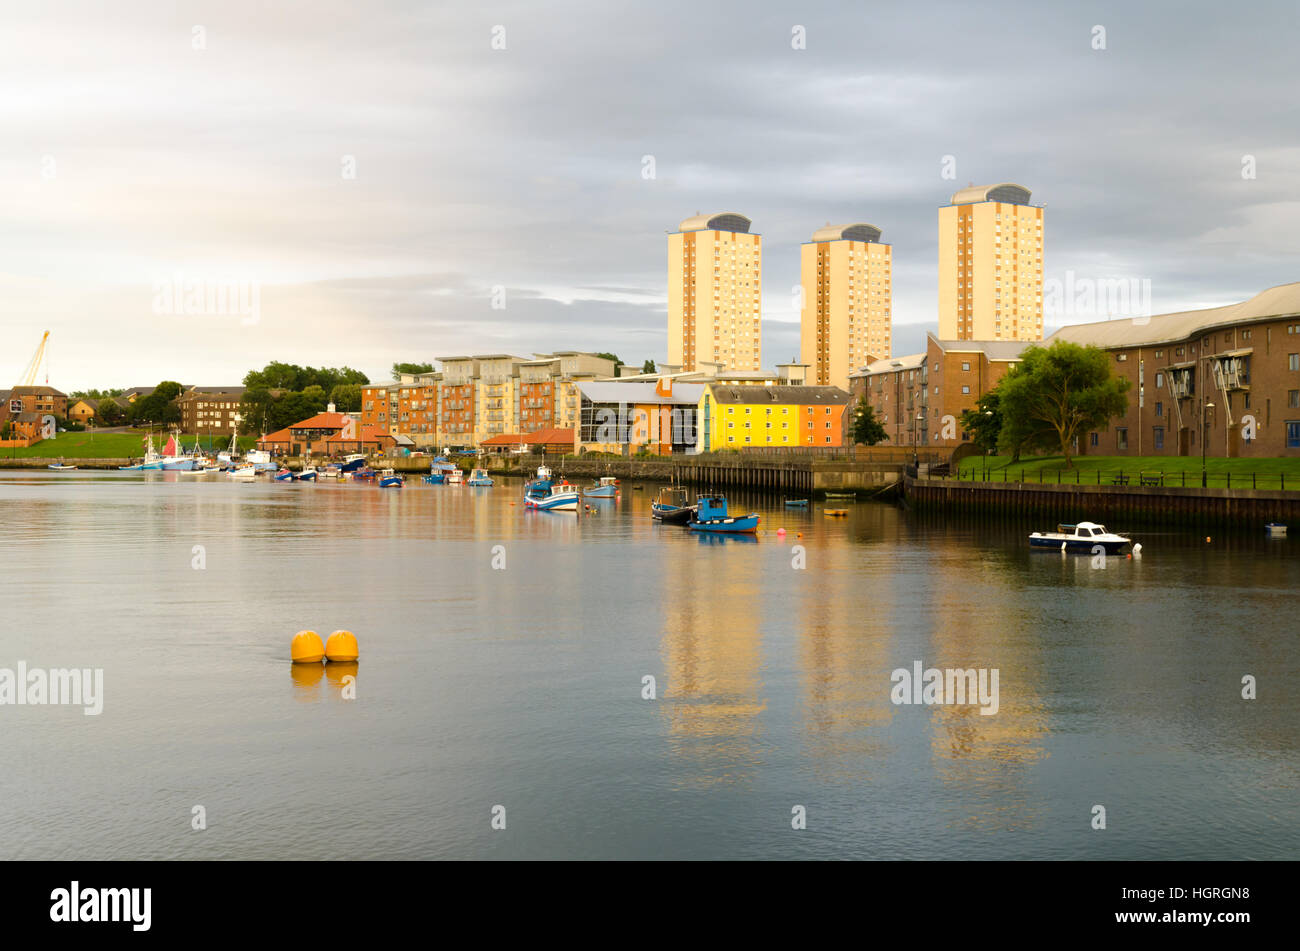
[[541, 437], [322, 421], [366, 432]]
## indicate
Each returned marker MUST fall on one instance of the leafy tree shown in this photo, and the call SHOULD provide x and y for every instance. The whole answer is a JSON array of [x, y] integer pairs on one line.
[[617, 362], [400, 368], [159, 407], [110, 411], [346, 397], [648, 367], [866, 429], [984, 421], [1056, 394]]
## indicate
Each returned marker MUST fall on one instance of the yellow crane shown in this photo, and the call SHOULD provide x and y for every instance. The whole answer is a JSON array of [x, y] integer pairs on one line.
[[29, 375]]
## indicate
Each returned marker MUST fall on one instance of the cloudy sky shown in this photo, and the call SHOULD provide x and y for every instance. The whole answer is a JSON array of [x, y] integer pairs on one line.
[[363, 175]]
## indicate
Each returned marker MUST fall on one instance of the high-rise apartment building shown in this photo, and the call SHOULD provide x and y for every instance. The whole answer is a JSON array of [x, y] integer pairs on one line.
[[715, 293], [846, 276], [991, 265]]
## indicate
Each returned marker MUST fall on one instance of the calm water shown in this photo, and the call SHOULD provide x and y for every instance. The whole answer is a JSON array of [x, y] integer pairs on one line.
[[522, 687]]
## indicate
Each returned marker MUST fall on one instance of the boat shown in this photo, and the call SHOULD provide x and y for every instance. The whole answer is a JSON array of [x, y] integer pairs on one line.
[[796, 503], [331, 471], [672, 505], [1273, 529], [388, 479], [455, 476], [1083, 537], [60, 467], [352, 462], [840, 495], [479, 477], [441, 464], [307, 475], [261, 459], [244, 473], [835, 513], [152, 460], [435, 477], [711, 516], [177, 460], [284, 475], [364, 474], [606, 488], [547, 496]]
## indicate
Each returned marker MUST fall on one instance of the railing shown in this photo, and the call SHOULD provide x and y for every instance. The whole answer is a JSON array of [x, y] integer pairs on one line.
[[1136, 478]]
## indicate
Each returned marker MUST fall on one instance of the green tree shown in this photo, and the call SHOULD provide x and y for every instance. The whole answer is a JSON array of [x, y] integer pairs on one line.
[[1056, 394], [648, 367], [159, 407], [110, 412], [617, 362], [346, 397], [866, 429], [984, 421], [400, 368]]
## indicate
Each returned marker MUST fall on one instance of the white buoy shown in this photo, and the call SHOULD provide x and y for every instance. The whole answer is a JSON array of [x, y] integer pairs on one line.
[[1062, 548], [1137, 548]]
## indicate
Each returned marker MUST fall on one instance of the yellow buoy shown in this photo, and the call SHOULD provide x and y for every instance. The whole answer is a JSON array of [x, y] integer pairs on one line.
[[306, 648], [341, 647]]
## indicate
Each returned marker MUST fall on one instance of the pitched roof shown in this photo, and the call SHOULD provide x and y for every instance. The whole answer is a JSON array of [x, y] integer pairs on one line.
[[36, 391], [366, 432], [541, 437], [779, 395], [995, 350], [638, 392], [1280, 301], [199, 391], [322, 421], [910, 361]]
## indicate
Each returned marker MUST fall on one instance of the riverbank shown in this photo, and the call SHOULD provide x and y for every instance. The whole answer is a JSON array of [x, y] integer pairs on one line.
[[1241, 508]]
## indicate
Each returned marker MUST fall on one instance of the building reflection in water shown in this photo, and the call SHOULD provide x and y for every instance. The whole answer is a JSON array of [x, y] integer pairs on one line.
[[712, 657]]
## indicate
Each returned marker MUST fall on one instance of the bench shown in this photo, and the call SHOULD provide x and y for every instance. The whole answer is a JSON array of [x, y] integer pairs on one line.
[[1152, 480], [1119, 480]]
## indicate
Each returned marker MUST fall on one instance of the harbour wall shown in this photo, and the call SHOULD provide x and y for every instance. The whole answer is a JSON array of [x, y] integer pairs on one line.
[[1105, 503]]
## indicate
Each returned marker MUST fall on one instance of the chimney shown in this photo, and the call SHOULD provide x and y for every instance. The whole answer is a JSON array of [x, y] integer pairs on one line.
[[330, 408]]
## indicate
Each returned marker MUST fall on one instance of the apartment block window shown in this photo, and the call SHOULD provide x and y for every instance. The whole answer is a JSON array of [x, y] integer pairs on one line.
[[1293, 434], [1158, 436], [965, 366], [965, 390], [1293, 399], [1121, 439], [1293, 361]]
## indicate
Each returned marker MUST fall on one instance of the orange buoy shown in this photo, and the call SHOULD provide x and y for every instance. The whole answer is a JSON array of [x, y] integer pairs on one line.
[[341, 647], [306, 648]]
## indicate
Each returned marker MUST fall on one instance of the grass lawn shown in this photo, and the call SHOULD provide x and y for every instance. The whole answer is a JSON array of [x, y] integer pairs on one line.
[[1239, 473], [110, 445]]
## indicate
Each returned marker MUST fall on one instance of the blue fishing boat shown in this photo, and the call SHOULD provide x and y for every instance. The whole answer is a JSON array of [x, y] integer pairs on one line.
[[479, 477], [672, 505], [711, 516], [606, 488], [388, 479], [435, 477], [796, 503], [547, 496], [353, 462], [307, 475], [284, 475]]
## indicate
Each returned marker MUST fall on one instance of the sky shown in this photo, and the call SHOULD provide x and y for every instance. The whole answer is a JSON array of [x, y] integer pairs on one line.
[[337, 183]]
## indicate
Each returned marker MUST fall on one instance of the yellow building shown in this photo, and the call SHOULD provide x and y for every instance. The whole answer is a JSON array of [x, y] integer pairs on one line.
[[745, 417], [714, 293], [845, 273], [991, 265]]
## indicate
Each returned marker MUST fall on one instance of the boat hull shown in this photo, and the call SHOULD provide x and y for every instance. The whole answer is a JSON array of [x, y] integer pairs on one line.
[[1082, 546], [435, 478], [479, 482], [306, 477], [602, 492], [670, 515], [740, 524], [394, 483], [565, 502]]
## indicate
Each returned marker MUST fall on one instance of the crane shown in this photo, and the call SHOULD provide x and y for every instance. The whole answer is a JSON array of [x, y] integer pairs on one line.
[[29, 375]]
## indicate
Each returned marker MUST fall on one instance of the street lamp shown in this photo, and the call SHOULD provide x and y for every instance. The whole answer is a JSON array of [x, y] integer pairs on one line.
[[1205, 431]]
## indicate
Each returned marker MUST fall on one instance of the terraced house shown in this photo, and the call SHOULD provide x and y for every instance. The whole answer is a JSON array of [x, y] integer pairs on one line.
[[749, 417]]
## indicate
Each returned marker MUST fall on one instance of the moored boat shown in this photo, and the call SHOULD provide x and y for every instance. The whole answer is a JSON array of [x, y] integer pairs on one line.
[[605, 488], [711, 515], [479, 477], [244, 473], [284, 475], [547, 496], [455, 476], [672, 505], [307, 475], [1085, 537], [60, 467], [388, 479], [796, 503]]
